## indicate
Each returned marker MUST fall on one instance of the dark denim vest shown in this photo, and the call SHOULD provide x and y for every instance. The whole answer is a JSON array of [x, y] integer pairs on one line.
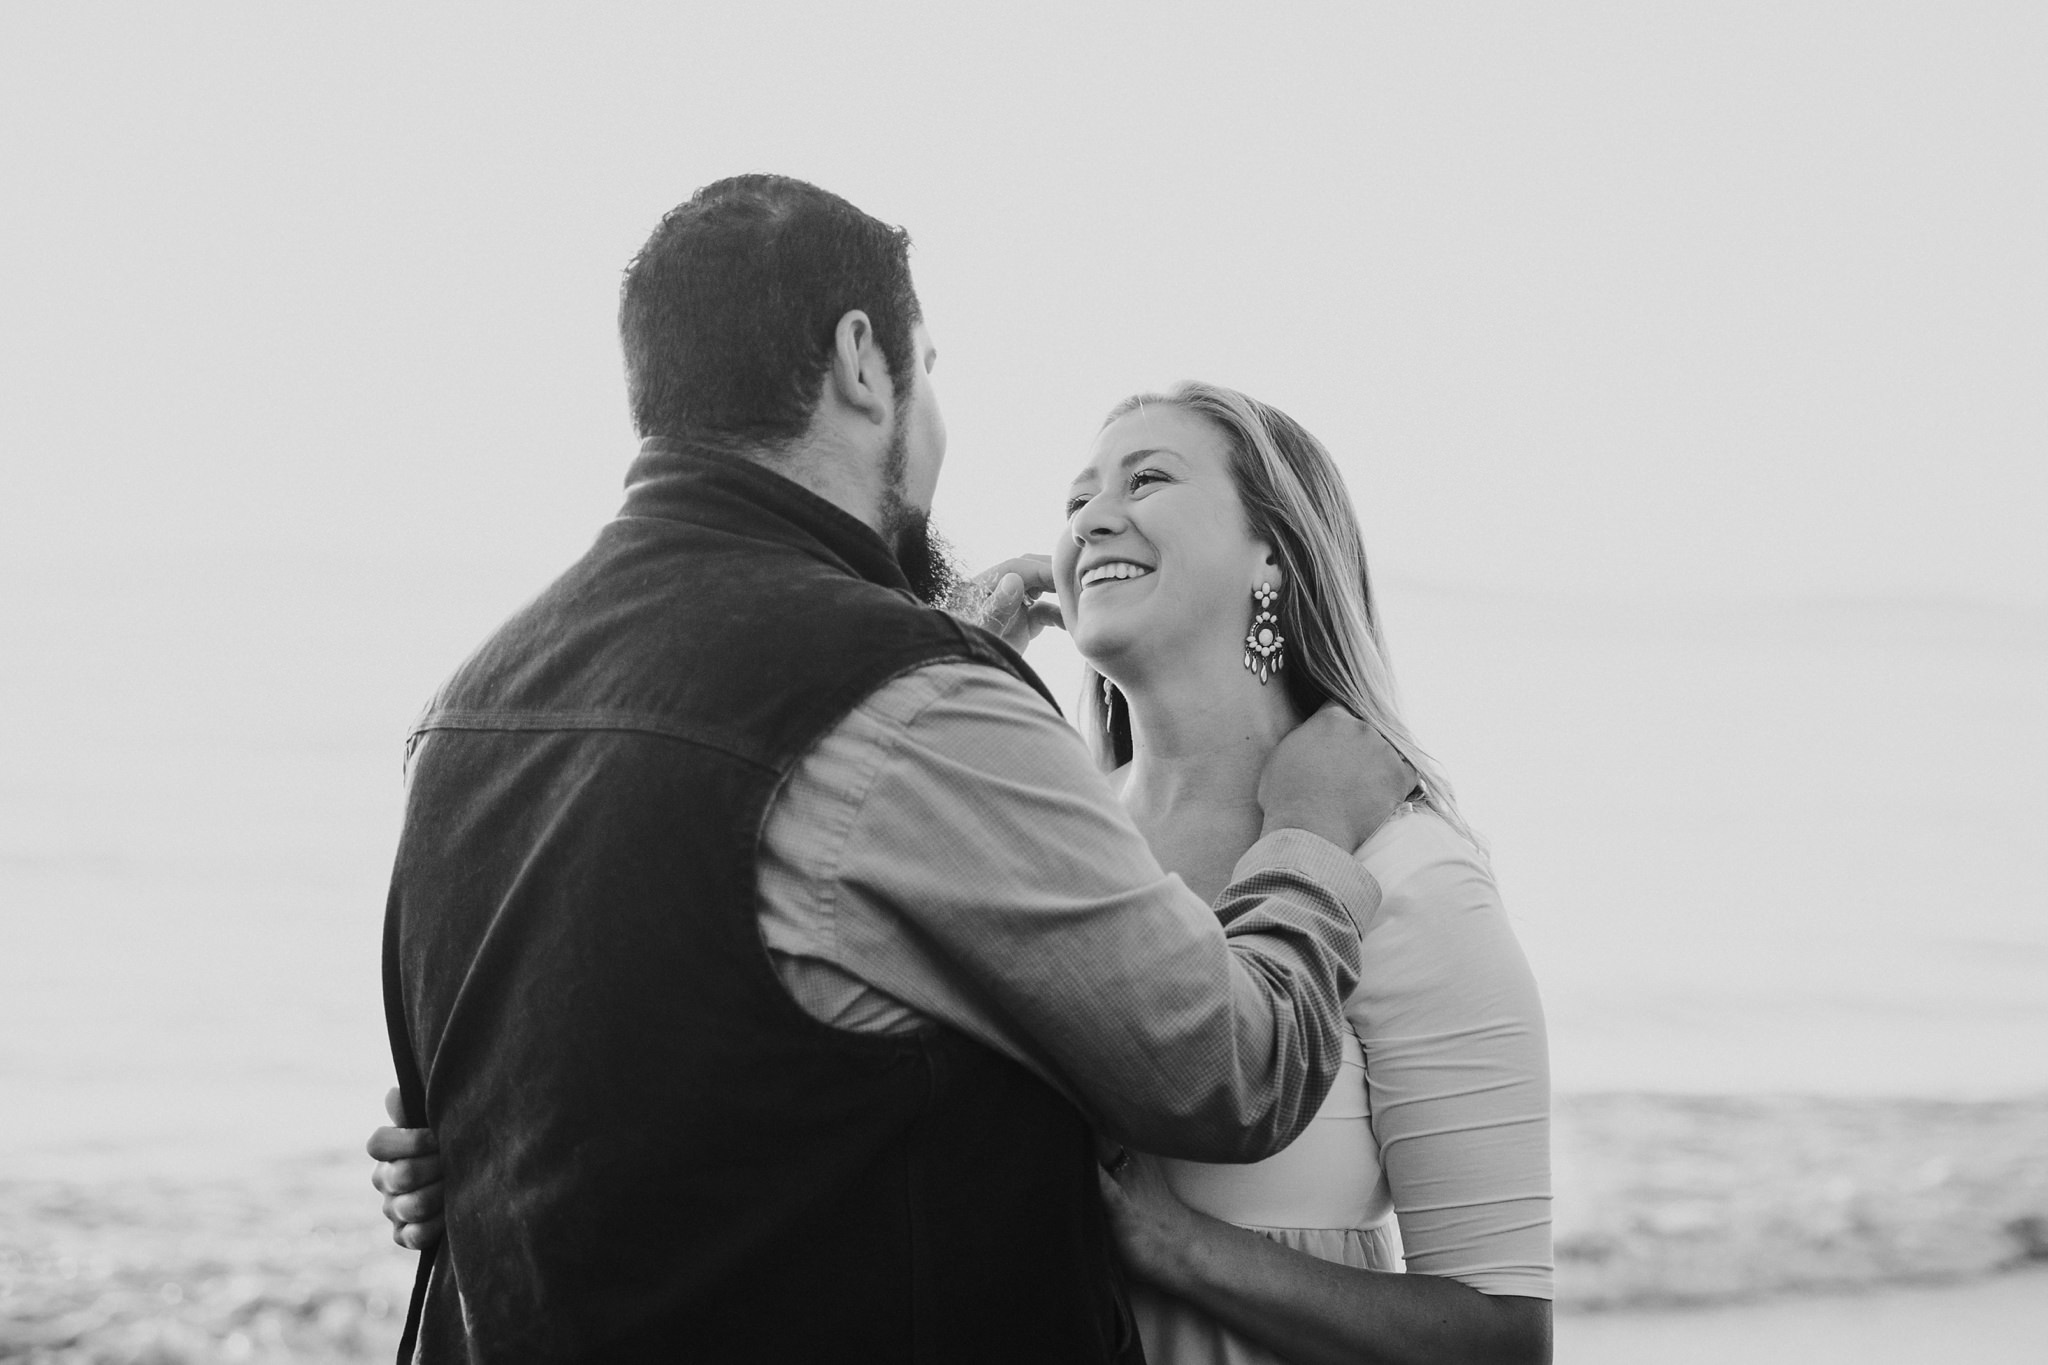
[[653, 1153]]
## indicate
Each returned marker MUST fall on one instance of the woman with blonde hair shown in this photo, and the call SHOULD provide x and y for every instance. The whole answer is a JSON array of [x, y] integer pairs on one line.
[[1212, 574]]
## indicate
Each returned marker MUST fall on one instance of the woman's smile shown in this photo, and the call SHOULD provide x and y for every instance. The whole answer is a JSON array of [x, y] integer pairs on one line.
[[1112, 571]]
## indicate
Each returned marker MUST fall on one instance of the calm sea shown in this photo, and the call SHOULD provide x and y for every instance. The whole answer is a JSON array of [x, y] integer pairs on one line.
[[1786, 847]]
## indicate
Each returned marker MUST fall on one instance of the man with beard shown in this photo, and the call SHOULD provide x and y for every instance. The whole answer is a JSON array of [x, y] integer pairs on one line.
[[761, 944]]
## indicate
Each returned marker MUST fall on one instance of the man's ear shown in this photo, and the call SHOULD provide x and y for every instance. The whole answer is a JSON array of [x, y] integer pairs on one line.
[[859, 378]]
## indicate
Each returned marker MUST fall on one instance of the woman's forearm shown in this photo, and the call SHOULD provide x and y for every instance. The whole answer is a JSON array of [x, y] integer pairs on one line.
[[1314, 1311]]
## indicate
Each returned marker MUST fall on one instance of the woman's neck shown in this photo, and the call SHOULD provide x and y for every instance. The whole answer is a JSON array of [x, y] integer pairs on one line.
[[1199, 738]]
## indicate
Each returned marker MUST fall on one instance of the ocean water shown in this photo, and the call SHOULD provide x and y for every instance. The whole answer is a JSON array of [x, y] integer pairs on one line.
[[1787, 848], [1792, 848]]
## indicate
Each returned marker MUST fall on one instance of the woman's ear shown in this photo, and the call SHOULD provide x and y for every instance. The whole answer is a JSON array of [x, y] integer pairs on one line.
[[1269, 570]]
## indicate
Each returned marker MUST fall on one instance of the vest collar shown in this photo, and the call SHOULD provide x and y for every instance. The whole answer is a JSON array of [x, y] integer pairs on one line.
[[681, 481]]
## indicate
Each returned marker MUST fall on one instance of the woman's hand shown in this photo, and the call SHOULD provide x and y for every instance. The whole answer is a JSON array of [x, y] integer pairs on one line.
[[408, 1175], [1012, 607], [1152, 1229]]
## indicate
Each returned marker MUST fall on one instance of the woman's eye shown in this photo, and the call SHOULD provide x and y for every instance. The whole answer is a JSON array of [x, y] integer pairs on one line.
[[1138, 479]]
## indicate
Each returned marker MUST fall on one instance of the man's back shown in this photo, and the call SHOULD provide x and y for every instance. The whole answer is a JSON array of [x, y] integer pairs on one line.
[[653, 1152]]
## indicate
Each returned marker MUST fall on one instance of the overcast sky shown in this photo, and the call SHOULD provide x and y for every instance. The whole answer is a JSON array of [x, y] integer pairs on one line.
[[1629, 299]]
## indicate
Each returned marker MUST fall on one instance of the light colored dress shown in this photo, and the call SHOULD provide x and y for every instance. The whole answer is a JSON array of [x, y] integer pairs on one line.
[[1435, 1140]]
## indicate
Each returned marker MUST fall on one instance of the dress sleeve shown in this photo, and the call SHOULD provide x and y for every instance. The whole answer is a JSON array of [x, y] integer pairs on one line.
[[1457, 1064]]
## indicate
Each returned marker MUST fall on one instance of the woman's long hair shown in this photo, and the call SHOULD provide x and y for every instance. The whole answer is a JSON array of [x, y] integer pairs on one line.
[[1295, 501]]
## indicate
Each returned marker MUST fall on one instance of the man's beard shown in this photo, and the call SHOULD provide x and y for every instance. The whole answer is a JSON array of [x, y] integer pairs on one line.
[[922, 553], [927, 561]]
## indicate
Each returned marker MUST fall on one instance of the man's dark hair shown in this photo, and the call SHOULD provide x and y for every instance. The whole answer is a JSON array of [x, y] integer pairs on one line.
[[727, 314]]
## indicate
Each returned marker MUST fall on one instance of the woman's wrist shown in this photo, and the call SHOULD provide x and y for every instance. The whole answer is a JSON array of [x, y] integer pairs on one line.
[[1179, 1263]]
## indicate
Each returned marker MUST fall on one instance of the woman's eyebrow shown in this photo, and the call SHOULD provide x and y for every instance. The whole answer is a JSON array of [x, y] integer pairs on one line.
[[1130, 458], [1127, 460]]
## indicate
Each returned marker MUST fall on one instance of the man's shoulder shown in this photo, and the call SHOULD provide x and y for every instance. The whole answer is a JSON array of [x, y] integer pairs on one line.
[[957, 689], [666, 614], [945, 725]]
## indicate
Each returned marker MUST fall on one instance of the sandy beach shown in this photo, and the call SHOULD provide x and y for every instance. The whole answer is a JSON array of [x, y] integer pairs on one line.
[[288, 1263], [1678, 1200], [1731, 1229], [1999, 1321]]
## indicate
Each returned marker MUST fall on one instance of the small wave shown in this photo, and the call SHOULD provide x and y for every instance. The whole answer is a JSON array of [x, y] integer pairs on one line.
[[1666, 1200]]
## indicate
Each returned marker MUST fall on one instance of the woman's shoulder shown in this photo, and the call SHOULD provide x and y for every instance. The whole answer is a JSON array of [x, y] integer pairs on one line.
[[1416, 842], [1441, 944]]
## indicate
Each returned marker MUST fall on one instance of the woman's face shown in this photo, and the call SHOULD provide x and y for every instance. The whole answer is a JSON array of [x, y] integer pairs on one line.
[[1157, 558]]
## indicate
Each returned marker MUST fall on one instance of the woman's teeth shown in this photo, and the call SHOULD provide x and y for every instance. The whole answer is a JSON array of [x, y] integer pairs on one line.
[[1103, 573]]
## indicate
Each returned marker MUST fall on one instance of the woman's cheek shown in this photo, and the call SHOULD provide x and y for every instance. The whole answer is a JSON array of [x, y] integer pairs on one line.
[[1064, 558]]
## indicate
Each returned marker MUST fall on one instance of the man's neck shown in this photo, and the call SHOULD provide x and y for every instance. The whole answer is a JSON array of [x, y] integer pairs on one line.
[[831, 467]]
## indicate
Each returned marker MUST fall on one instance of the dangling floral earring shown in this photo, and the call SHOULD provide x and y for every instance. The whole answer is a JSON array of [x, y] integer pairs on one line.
[[1108, 707], [1264, 639]]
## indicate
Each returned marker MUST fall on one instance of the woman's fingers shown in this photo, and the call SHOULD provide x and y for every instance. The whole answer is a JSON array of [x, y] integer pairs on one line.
[[408, 1175], [397, 1144], [403, 1177], [417, 1236], [417, 1207]]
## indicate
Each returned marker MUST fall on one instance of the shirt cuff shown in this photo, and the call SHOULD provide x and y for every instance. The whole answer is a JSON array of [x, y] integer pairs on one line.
[[1318, 860]]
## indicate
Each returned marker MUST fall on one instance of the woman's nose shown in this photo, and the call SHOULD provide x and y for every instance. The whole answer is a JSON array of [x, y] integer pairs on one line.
[[1097, 517]]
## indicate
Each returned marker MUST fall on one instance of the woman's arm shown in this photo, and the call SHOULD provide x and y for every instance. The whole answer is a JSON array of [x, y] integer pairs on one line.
[[1307, 1309], [1457, 1073]]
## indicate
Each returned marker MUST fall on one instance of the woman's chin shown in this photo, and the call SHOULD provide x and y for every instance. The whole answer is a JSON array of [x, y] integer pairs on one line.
[[1124, 658], [1102, 648], [1118, 647]]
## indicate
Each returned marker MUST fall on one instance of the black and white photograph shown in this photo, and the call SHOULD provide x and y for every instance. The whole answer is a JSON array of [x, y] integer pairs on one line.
[[1131, 684]]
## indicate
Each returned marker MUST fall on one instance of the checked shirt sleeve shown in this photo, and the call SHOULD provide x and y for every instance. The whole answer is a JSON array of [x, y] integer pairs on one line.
[[976, 869]]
